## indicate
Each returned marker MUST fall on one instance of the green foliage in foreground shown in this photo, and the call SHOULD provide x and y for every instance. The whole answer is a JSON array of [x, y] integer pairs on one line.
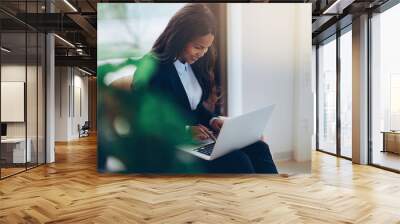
[[140, 128]]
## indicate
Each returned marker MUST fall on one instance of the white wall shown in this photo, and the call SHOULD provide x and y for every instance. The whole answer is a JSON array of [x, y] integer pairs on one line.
[[234, 60], [61, 103], [314, 88], [269, 62], [303, 88], [67, 115], [80, 84]]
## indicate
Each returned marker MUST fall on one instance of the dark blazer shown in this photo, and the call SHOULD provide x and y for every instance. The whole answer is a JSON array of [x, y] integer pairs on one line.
[[164, 79]]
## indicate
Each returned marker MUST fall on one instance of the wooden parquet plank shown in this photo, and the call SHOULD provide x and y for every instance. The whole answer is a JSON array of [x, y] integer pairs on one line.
[[71, 191]]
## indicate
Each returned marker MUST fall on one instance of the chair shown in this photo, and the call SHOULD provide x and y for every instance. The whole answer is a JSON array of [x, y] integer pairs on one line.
[[84, 130]]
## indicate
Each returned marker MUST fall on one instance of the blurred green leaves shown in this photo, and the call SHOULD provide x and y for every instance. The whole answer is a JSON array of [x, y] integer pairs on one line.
[[140, 128]]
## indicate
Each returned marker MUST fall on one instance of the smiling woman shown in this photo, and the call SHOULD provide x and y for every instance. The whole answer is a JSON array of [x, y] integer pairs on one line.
[[196, 49], [179, 69]]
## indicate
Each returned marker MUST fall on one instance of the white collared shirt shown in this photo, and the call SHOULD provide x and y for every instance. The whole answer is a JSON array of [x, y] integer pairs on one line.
[[190, 83]]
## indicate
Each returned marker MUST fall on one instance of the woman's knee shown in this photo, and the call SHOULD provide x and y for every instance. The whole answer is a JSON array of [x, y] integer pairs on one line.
[[234, 162], [265, 146], [261, 157], [259, 146], [258, 150]]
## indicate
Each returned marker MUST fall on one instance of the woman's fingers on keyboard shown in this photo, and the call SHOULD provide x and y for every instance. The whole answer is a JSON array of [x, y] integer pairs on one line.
[[206, 131]]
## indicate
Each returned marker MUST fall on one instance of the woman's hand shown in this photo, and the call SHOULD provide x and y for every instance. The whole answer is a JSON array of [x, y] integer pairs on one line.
[[200, 132], [217, 123]]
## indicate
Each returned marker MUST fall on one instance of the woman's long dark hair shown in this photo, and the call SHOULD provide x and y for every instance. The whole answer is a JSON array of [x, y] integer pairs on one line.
[[192, 21]]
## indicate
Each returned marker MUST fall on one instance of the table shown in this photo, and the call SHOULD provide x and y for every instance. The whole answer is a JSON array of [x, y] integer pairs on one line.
[[391, 141], [15, 148]]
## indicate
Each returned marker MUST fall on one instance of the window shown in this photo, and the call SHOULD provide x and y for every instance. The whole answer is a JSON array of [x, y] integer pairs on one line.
[[385, 89], [395, 102], [137, 26], [346, 93], [327, 97], [22, 67], [333, 77]]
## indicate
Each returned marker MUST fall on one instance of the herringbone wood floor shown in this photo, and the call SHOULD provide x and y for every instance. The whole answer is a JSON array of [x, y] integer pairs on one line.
[[71, 191]]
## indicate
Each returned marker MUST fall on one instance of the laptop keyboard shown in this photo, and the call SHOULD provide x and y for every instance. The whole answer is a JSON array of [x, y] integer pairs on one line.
[[207, 149]]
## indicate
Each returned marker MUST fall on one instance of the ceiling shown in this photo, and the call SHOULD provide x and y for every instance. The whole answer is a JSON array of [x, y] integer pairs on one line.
[[329, 16]]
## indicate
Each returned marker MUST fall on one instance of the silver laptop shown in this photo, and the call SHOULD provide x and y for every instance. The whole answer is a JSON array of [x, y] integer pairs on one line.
[[237, 132]]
